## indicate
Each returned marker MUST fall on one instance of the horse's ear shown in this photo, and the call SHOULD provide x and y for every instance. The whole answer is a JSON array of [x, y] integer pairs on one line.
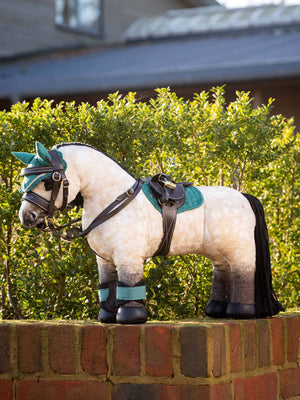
[[26, 158], [42, 153]]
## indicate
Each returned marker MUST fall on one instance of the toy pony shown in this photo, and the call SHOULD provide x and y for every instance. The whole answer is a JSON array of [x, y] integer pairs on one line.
[[127, 220]]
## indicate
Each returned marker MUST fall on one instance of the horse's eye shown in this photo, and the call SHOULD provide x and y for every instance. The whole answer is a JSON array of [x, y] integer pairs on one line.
[[48, 183]]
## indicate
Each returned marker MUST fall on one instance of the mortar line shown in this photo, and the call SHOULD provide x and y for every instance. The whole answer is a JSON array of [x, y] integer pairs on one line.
[[110, 334], [176, 351], [13, 359], [77, 343], [142, 343]]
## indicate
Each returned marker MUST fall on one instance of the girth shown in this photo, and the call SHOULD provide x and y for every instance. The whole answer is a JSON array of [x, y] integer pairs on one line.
[[171, 196]]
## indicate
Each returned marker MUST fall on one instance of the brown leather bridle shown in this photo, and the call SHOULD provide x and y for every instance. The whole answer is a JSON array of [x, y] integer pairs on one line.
[[59, 178]]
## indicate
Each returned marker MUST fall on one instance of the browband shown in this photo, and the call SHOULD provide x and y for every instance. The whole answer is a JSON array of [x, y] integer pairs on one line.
[[36, 170]]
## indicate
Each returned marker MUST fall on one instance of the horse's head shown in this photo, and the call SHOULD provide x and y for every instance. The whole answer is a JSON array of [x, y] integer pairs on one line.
[[45, 185]]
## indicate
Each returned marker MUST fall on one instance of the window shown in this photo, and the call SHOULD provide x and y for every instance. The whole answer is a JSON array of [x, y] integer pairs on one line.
[[79, 15]]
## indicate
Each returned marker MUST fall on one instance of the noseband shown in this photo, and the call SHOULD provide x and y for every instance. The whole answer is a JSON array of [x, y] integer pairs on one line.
[[59, 178]]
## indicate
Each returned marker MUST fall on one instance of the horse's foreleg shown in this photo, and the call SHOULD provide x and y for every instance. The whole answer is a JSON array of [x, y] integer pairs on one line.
[[131, 273], [107, 290], [106, 270], [220, 291], [242, 303], [131, 293]]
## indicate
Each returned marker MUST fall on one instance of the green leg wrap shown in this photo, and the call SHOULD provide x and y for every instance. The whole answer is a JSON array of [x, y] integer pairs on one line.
[[126, 294], [108, 302]]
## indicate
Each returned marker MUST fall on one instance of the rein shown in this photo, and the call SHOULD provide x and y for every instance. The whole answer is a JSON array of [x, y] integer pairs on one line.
[[59, 178]]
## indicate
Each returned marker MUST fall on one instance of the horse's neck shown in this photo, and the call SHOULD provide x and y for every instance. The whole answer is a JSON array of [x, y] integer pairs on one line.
[[101, 179]]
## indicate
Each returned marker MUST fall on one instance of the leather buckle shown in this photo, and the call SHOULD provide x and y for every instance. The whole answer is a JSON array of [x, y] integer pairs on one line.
[[129, 192], [65, 183], [56, 176]]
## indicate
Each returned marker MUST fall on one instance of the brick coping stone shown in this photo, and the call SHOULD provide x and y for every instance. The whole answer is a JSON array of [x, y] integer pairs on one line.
[[192, 359]]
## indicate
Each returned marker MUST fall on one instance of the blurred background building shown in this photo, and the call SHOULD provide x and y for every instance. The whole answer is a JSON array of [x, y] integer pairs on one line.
[[84, 49]]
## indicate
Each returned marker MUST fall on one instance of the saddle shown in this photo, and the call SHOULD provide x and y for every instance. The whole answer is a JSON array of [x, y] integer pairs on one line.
[[170, 196]]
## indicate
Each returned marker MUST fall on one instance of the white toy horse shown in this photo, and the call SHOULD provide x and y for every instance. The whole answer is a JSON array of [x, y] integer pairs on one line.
[[124, 228]]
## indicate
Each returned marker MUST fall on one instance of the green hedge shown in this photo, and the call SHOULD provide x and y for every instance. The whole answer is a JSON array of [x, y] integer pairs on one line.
[[204, 140]]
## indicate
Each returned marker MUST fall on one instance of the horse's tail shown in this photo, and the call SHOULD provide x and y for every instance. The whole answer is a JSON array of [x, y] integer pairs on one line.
[[265, 299]]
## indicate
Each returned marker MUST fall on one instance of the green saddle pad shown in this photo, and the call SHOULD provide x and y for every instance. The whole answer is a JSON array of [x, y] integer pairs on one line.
[[193, 198]]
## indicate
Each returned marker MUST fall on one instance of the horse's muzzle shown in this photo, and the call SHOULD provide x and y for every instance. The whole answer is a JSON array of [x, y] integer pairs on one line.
[[31, 216]]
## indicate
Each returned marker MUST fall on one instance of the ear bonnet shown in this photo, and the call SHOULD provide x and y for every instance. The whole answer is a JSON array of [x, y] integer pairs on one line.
[[42, 158]]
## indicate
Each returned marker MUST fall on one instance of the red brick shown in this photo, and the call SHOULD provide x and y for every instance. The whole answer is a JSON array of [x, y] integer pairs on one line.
[[126, 351], [188, 392], [6, 392], [158, 351], [289, 383], [4, 349], [128, 391], [86, 391], [30, 348], [219, 350], [292, 324], [38, 390], [263, 339], [235, 347], [263, 387], [277, 341], [250, 345], [93, 351], [193, 340], [61, 349], [222, 391], [62, 390]]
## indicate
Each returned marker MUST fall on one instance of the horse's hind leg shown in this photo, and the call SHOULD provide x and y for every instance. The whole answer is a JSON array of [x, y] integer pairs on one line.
[[220, 291], [232, 292], [242, 303], [107, 291]]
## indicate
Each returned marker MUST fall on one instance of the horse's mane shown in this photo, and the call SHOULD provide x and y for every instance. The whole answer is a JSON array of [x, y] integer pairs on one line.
[[93, 148]]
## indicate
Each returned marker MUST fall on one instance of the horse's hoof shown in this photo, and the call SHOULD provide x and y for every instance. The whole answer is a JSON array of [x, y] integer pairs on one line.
[[240, 311], [107, 317], [216, 309], [131, 315]]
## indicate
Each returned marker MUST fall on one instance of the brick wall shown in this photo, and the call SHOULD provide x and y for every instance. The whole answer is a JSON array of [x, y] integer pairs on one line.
[[228, 360]]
